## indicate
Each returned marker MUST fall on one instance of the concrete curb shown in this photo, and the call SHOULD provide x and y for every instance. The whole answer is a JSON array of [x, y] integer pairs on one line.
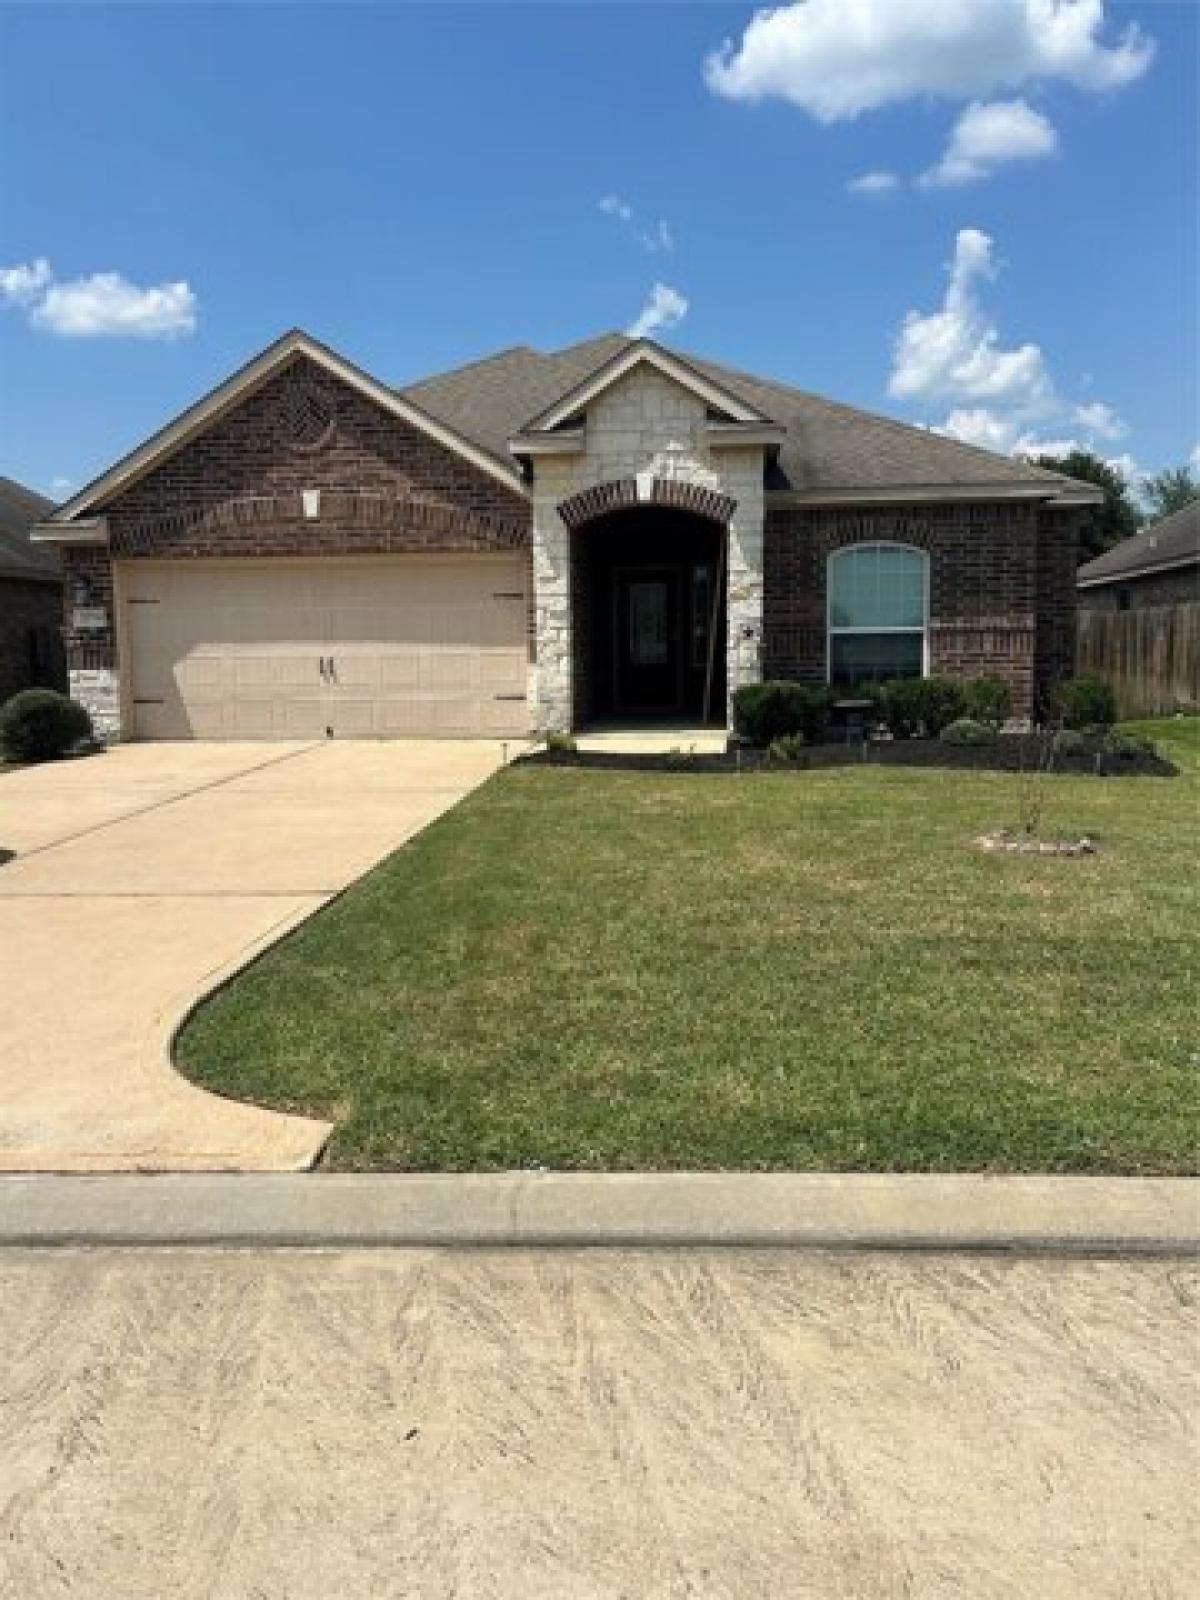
[[1057, 1215]]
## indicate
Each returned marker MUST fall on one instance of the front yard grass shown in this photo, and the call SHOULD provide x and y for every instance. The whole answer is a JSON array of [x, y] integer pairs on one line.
[[812, 971]]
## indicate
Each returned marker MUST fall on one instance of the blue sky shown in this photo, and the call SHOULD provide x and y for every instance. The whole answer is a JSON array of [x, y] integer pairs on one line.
[[422, 184]]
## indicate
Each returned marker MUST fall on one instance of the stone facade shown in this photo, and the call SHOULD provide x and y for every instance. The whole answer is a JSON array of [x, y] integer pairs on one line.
[[644, 429], [1001, 600]]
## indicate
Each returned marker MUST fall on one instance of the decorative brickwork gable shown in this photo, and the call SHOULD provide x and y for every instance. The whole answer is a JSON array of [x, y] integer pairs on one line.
[[1001, 587], [381, 482]]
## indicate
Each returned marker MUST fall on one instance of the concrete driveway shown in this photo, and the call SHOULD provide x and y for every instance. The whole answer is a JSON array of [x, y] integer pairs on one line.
[[142, 878]]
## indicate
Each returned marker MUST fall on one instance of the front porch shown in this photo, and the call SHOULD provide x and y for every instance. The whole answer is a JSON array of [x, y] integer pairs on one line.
[[648, 629]]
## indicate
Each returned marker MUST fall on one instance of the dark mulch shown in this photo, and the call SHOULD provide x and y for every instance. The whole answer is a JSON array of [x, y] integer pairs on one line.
[[1010, 753]]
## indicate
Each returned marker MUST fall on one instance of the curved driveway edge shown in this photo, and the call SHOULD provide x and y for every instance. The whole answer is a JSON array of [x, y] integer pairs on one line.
[[145, 878], [1060, 1215]]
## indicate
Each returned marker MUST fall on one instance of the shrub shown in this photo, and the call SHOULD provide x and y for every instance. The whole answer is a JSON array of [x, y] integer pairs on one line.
[[967, 730], [773, 710], [40, 724], [1128, 746], [561, 744], [910, 706], [988, 700], [1086, 702], [788, 747], [1071, 742]]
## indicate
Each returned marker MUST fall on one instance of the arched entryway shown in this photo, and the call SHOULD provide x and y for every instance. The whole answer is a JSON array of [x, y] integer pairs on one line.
[[648, 616]]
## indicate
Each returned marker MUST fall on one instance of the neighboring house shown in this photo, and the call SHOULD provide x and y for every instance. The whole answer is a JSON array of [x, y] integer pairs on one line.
[[535, 541], [30, 596], [1158, 566]]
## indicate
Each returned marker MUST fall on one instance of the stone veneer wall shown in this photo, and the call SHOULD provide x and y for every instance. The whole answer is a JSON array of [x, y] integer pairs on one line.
[[1001, 587], [644, 423]]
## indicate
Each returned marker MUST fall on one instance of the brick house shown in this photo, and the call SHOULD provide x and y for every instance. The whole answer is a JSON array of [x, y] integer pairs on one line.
[[1158, 566], [30, 596], [541, 540]]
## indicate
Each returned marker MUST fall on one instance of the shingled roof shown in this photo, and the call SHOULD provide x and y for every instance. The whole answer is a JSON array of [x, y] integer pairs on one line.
[[1172, 541], [20, 508], [827, 446]]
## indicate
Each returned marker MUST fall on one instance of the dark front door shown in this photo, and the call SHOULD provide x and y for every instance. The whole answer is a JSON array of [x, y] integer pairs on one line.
[[647, 643]]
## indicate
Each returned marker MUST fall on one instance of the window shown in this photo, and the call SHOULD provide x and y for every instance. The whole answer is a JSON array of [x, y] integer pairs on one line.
[[1124, 599], [878, 613]]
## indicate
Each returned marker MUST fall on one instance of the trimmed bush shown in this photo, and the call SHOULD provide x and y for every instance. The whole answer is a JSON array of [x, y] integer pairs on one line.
[[1127, 746], [40, 725], [988, 700], [911, 706], [788, 747], [1071, 742], [967, 730], [1085, 702], [763, 712], [561, 744]]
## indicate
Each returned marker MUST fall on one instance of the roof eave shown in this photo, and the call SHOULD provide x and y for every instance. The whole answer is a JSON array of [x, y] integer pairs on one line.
[[1146, 570], [85, 530], [912, 493]]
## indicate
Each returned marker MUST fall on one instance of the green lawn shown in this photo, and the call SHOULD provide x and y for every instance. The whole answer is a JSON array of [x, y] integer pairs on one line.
[[815, 970]]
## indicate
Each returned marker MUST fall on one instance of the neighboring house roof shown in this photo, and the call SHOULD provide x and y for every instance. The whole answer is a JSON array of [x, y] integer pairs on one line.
[[1172, 541], [828, 448], [20, 508]]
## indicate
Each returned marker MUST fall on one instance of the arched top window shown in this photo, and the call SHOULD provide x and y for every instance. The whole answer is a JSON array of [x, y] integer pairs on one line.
[[878, 613]]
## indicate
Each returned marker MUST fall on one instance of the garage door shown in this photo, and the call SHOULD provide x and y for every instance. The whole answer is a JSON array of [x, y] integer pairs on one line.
[[308, 649]]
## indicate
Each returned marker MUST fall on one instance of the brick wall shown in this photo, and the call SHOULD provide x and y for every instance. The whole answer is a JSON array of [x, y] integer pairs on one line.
[[1001, 587], [1176, 588], [236, 490]]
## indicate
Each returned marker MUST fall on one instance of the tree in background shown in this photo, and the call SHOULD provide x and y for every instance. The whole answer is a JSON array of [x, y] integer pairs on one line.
[[1171, 490], [1109, 523]]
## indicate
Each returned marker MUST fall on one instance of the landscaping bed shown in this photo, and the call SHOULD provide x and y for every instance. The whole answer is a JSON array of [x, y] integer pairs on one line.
[[1008, 753], [590, 969]]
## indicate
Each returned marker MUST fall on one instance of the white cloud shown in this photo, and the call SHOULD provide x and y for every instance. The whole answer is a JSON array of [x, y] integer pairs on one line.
[[20, 285], [873, 183], [1194, 458], [954, 353], [1101, 420], [1000, 398], [978, 425], [60, 486], [664, 308], [986, 136], [653, 236], [614, 206], [659, 237], [106, 304], [838, 58]]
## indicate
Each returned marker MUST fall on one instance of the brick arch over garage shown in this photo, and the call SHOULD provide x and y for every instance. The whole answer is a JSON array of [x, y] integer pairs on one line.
[[348, 522], [621, 494]]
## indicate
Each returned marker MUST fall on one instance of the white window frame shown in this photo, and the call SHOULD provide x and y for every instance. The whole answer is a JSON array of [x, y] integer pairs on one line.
[[875, 544]]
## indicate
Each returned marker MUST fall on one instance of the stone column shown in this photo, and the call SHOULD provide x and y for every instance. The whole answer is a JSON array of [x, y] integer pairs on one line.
[[741, 477], [552, 689]]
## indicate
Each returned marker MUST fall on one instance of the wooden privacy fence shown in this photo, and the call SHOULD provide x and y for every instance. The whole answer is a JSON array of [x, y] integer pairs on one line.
[[1151, 656]]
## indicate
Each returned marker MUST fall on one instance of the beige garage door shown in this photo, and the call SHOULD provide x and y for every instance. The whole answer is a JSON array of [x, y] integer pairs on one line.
[[367, 649]]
